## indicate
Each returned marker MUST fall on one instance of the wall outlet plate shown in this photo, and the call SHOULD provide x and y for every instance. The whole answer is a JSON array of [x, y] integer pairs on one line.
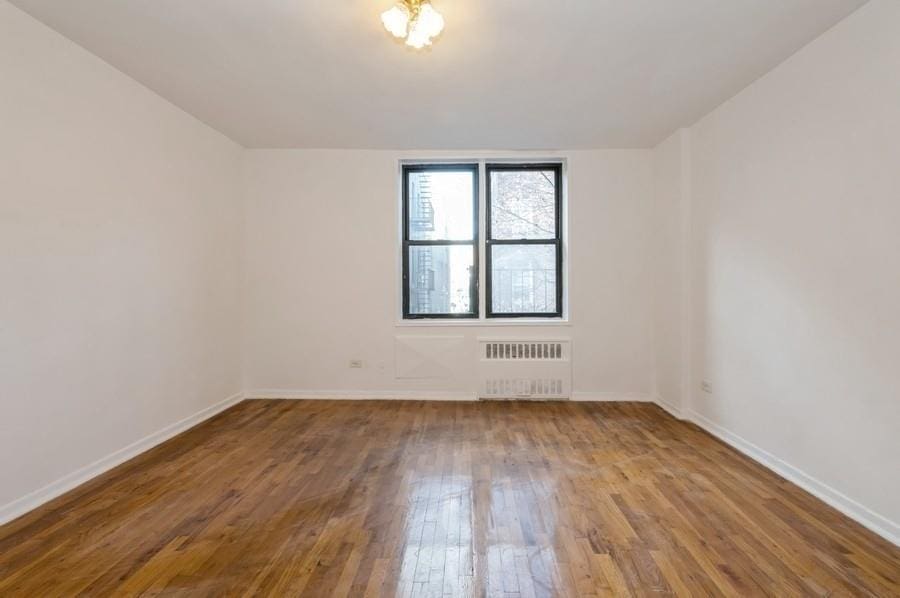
[[706, 386], [356, 363]]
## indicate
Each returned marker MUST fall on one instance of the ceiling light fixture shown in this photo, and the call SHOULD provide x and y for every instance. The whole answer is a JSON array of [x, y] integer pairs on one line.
[[416, 20]]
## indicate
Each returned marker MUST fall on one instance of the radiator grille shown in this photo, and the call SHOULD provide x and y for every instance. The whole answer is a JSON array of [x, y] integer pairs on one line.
[[523, 350]]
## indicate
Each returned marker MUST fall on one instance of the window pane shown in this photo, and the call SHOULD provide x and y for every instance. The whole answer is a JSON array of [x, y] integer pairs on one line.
[[523, 279], [441, 205], [440, 279], [523, 204]]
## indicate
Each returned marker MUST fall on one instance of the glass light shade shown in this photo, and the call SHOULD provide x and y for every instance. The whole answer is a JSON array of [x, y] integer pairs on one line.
[[418, 37], [415, 20], [430, 20], [396, 20]]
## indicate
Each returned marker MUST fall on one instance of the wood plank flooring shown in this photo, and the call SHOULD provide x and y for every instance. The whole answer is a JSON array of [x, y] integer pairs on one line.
[[338, 498]]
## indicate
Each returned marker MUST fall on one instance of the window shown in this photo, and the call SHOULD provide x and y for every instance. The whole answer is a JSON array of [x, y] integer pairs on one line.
[[524, 240], [522, 252], [440, 241]]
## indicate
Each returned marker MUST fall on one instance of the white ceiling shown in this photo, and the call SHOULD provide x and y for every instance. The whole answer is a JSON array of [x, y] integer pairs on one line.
[[506, 74]]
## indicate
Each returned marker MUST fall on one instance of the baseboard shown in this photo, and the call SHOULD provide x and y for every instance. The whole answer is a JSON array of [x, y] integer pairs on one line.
[[30, 501], [879, 524], [362, 395], [612, 397], [673, 410], [424, 395]]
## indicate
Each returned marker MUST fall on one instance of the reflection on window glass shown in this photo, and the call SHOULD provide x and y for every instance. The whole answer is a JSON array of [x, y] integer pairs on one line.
[[440, 278], [523, 204], [441, 206], [523, 279]]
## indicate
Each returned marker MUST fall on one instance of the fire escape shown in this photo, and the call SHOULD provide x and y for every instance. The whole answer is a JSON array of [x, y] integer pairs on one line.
[[422, 220]]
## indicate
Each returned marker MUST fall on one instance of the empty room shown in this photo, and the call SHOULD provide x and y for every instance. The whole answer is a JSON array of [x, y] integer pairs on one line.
[[446, 298]]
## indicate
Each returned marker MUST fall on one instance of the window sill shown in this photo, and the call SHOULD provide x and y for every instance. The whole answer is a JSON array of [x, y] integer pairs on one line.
[[484, 323]]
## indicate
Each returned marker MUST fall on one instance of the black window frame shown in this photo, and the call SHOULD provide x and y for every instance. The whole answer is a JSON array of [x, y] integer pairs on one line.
[[556, 241], [474, 312]]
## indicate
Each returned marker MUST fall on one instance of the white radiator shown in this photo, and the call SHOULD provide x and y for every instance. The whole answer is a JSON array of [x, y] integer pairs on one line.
[[536, 369]]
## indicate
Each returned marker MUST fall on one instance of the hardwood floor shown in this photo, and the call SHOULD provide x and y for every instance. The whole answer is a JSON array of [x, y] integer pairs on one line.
[[311, 498]]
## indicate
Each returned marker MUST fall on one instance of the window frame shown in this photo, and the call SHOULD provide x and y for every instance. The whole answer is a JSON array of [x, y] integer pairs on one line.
[[556, 241], [475, 242]]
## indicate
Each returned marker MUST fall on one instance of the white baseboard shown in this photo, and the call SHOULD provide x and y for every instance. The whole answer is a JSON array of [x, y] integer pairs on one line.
[[612, 397], [30, 501], [673, 410], [362, 395], [879, 524], [424, 395]]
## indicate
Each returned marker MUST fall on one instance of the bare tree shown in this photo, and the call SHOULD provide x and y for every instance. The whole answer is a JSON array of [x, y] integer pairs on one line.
[[523, 204]]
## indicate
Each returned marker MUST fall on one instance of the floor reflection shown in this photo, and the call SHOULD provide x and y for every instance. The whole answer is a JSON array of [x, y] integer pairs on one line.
[[511, 553], [438, 553]]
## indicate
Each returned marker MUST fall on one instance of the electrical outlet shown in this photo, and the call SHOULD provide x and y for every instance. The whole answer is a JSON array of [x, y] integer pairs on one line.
[[706, 386], [356, 363]]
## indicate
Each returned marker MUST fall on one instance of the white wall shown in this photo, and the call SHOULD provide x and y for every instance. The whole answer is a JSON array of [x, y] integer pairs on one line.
[[796, 240], [119, 241], [322, 283], [670, 221]]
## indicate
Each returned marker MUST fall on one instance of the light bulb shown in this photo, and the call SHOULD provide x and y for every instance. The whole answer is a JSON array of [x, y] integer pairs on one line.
[[396, 20]]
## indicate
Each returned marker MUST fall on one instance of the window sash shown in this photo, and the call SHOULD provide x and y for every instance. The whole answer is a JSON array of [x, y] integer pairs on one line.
[[474, 310], [556, 241]]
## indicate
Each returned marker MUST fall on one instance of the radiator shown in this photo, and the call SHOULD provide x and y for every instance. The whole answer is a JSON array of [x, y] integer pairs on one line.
[[535, 369]]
